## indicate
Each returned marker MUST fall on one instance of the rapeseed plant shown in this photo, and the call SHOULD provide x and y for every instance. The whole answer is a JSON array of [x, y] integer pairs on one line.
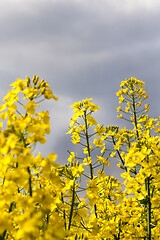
[[41, 199]]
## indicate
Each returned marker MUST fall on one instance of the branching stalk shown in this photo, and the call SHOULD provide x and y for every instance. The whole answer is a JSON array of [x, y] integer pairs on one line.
[[30, 182], [135, 116], [89, 154], [64, 214], [148, 209], [72, 205]]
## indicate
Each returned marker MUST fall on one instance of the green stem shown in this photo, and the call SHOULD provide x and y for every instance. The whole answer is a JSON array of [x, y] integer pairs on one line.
[[20, 103], [72, 205], [148, 209], [89, 154], [3, 235], [135, 116], [3, 181], [47, 218], [119, 155], [30, 182], [64, 214], [87, 144]]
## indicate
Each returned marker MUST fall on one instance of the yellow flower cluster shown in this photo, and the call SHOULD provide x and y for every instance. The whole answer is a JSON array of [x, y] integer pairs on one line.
[[27, 194], [41, 199], [132, 94]]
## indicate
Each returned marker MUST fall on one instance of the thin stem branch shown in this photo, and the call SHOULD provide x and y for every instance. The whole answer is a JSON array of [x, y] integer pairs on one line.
[[148, 209], [89, 154], [30, 182], [72, 205]]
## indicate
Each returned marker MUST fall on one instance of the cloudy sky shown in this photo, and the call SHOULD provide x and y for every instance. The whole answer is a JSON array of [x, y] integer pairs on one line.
[[83, 48]]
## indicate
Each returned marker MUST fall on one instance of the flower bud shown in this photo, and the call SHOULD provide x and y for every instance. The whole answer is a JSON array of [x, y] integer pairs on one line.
[[28, 81], [33, 79], [36, 80], [43, 90]]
